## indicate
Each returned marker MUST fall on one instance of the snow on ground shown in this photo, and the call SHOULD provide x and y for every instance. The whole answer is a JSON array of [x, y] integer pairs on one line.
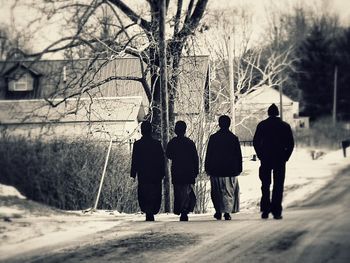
[[6, 190], [304, 176], [24, 230]]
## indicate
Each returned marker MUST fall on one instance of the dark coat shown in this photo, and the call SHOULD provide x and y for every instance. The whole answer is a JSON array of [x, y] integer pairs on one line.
[[185, 164], [273, 140], [224, 156], [148, 160]]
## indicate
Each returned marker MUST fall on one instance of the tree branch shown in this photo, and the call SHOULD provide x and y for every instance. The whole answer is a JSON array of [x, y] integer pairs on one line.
[[144, 24], [178, 16], [192, 21]]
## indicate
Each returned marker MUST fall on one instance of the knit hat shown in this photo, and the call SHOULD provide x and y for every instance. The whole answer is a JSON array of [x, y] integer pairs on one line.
[[273, 110]]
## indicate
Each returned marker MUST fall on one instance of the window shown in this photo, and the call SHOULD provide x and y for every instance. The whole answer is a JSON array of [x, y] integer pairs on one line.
[[21, 82]]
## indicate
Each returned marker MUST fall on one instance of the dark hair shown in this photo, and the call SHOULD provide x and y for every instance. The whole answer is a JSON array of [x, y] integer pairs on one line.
[[146, 128], [180, 128], [224, 122], [273, 110]]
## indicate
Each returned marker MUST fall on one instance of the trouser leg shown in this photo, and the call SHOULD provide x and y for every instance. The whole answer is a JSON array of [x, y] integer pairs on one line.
[[277, 191], [184, 199], [236, 197], [265, 177]]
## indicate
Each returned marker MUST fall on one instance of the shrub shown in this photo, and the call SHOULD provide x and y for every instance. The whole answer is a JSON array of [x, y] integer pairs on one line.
[[66, 174], [323, 134]]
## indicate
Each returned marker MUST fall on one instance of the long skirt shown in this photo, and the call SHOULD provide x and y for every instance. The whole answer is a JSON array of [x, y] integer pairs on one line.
[[184, 198], [225, 194], [150, 197]]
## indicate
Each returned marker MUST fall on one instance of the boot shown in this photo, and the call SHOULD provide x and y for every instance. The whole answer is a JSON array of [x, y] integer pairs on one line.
[[149, 217], [183, 217]]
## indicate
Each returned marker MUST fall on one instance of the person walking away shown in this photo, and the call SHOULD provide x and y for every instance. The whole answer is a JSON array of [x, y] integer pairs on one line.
[[273, 143], [184, 169], [148, 165], [223, 162]]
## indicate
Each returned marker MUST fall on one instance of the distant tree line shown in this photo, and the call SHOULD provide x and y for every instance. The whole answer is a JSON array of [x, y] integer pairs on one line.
[[321, 50], [298, 50]]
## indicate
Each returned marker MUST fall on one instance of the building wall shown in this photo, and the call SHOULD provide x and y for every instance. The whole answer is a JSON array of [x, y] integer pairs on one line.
[[249, 115], [120, 131]]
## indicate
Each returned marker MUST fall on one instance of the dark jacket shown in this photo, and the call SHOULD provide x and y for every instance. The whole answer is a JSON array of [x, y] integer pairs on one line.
[[185, 164], [224, 156], [148, 160], [273, 140]]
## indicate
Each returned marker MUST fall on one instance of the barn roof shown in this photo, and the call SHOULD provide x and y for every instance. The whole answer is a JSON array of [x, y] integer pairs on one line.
[[266, 95], [9, 68], [83, 73]]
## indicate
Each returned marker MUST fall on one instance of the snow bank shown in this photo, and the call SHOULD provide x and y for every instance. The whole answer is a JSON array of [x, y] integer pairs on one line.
[[6, 190], [8, 212]]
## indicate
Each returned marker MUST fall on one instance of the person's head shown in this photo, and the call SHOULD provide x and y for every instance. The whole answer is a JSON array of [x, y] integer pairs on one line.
[[273, 110], [180, 128], [146, 128], [224, 122]]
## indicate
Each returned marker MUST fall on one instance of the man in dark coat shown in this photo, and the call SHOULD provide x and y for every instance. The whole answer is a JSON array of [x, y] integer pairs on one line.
[[184, 170], [273, 143], [148, 164], [223, 162]]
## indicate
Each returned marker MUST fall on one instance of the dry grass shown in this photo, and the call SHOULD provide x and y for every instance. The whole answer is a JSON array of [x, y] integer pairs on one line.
[[66, 174]]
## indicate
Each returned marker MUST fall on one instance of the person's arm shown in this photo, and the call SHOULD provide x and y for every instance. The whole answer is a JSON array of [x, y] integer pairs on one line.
[[239, 156], [134, 161], [257, 141], [289, 142], [195, 159], [207, 162]]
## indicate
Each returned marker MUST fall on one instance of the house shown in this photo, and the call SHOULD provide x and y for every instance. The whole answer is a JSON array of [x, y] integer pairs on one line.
[[116, 107], [97, 119], [252, 108], [80, 97]]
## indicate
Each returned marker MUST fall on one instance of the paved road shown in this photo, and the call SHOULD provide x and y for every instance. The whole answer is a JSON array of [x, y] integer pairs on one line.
[[316, 231]]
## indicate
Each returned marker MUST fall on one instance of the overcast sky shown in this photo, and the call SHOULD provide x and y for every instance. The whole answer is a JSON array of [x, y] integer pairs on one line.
[[258, 7]]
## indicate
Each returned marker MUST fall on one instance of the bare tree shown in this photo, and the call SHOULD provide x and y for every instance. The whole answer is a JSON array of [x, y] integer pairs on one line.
[[100, 31], [256, 63], [122, 29]]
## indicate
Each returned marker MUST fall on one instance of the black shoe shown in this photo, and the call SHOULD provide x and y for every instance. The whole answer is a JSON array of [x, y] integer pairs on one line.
[[264, 215], [149, 217], [227, 216], [184, 217], [278, 217], [218, 215]]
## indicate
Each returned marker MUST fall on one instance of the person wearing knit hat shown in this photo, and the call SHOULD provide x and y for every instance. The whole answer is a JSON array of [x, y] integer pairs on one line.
[[273, 110], [273, 143]]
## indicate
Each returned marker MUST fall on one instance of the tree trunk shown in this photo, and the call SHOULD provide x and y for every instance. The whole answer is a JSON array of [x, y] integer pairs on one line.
[[164, 101]]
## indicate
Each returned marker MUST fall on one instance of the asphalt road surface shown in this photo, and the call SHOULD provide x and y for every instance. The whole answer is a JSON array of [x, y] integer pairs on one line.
[[318, 230]]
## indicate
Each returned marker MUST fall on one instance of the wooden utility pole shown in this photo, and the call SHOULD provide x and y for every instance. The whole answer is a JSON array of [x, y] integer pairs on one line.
[[231, 85], [281, 102], [164, 100], [335, 95], [277, 45]]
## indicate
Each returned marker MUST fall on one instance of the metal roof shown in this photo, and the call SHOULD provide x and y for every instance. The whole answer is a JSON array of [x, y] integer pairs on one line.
[[265, 94]]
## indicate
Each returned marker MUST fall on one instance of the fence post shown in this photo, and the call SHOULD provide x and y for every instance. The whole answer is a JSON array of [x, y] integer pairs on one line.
[[103, 173]]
